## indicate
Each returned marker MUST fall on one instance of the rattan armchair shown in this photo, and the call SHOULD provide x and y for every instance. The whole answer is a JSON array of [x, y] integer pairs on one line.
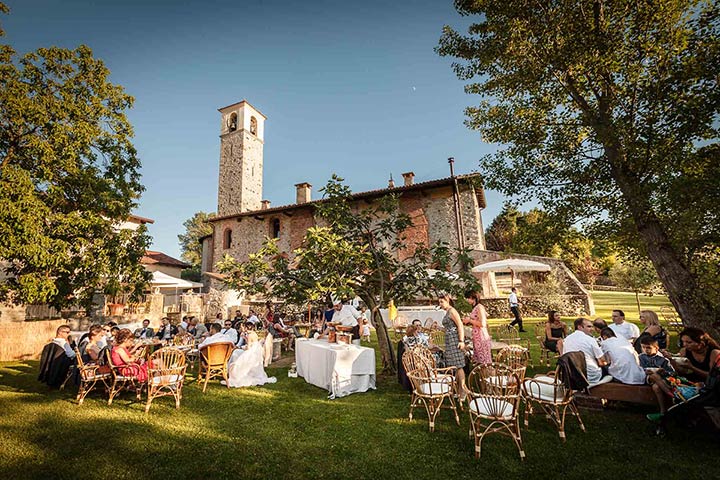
[[119, 382], [516, 357], [437, 338], [510, 335], [89, 376], [213, 363], [431, 386], [554, 398], [494, 403], [166, 375]]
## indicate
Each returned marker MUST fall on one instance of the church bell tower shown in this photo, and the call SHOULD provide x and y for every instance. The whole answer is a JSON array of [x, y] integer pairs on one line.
[[242, 129]]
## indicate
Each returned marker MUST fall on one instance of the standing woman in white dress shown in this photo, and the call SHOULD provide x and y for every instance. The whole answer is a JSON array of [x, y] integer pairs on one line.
[[246, 365]]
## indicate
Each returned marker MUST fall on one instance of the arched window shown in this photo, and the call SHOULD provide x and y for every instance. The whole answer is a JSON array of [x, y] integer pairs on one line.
[[275, 228], [232, 123], [253, 125], [227, 238]]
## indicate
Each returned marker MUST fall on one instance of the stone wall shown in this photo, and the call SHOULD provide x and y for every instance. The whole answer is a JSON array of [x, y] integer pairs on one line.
[[25, 340]]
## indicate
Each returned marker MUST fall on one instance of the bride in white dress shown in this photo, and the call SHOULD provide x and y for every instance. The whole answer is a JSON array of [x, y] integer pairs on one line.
[[246, 367]]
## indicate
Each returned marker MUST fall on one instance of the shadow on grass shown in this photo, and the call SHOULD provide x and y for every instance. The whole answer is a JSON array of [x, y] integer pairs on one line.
[[290, 429]]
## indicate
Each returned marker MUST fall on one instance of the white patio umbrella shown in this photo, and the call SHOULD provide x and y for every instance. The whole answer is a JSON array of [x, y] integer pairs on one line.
[[512, 265], [431, 272], [164, 280]]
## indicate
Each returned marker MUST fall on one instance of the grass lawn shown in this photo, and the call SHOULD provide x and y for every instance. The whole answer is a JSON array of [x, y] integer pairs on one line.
[[290, 429]]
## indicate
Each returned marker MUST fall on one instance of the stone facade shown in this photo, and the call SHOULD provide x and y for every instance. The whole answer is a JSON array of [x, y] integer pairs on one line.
[[241, 159]]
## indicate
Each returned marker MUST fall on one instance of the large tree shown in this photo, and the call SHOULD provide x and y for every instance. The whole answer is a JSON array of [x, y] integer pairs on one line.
[[355, 253], [69, 175], [196, 228], [608, 113]]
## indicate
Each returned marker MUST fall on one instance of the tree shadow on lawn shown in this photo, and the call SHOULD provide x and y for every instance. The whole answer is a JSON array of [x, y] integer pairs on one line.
[[291, 429]]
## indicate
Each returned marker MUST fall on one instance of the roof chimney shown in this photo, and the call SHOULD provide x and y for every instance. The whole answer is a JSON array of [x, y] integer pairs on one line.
[[409, 178], [303, 191], [265, 204], [391, 182]]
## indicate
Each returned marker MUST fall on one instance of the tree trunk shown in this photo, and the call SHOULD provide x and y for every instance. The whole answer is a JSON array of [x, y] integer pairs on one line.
[[637, 300], [384, 342], [679, 282]]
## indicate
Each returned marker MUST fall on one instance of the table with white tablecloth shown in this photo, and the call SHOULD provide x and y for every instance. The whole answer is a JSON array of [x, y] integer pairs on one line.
[[336, 367]]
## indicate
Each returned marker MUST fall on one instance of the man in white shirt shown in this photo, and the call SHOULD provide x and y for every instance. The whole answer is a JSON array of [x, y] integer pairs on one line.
[[627, 330], [623, 362], [184, 324], [515, 309], [215, 336], [347, 316], [229, 331], [581, 340], [253, 317], [61, 339]]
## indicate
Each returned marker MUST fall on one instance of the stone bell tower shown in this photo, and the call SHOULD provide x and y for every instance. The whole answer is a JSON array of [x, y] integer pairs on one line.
[[242, 129]]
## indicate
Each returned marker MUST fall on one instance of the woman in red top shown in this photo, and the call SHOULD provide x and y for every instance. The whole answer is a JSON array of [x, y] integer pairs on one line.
[[122, 356]]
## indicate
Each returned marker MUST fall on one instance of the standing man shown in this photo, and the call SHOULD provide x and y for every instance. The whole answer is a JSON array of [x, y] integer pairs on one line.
[[515, 309], [624, 329], [347, 316]]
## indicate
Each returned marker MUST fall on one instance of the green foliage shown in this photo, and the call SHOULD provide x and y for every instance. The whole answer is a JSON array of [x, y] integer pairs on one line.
[[196, 227], [538, 233], [635, 276], [608, 114], [69, 175]]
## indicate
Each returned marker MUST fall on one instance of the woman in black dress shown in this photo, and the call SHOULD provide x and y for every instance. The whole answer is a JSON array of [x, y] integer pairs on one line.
[[555, 331]]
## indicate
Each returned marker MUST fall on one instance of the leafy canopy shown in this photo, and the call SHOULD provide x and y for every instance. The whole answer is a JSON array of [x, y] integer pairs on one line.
[[607, 113], [69, 175]]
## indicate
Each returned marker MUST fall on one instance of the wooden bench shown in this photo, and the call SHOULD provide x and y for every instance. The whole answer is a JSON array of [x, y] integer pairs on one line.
[[624, 393]]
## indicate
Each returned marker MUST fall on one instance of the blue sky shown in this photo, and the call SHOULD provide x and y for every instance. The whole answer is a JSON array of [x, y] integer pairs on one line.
[[353, 88]]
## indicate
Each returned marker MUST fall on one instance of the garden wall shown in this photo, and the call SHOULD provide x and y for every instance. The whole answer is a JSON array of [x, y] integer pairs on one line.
[[25, 340]]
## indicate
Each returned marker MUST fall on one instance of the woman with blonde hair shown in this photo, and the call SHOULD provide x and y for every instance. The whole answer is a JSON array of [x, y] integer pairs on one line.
[[653, 329]]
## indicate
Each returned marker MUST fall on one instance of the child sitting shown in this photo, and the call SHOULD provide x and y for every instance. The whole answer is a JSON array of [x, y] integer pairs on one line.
[[651, 356]]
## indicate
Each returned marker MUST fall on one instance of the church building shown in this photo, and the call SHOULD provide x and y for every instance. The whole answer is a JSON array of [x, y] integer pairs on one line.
[[447, 209]]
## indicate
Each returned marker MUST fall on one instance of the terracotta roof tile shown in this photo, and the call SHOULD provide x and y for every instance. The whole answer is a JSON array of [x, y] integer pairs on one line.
[[159, 258]]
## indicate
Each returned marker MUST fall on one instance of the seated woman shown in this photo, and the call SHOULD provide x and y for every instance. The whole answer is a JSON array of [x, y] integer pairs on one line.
[[122, 356], [246, 365], [653, 329], [701, 352], [555, 332]]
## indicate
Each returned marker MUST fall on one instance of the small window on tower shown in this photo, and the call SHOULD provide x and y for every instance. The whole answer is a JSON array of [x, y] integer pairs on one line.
[[227, 238], [275, 228], [232, 123], [253, 125]]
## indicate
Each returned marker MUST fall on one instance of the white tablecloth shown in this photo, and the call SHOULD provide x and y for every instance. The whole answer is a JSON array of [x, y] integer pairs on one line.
[[338, 368]]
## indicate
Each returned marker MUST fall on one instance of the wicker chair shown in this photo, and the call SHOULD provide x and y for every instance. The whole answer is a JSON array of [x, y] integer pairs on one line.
[[549, 392], [672, 320], [510, 335], [437, 338], [166, 375], [431, 386], [120, 382], [89, 376], [516, 357], [214, 361], [494, 402]]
